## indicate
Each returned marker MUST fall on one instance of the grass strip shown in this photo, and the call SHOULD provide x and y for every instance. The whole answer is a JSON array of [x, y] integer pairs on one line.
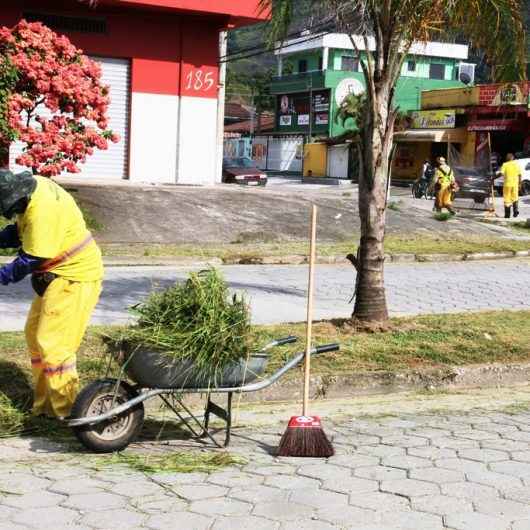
[[394, 244], [409, 344]]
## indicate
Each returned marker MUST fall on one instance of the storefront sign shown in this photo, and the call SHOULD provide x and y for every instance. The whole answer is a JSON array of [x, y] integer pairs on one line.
[[303, 119], [321, 101], [433, 119], [294, 110], [348, 86], [509, 94], [494, 125]]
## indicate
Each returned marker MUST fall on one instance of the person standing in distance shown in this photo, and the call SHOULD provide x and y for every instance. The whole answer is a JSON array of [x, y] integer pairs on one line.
[[512, 174]]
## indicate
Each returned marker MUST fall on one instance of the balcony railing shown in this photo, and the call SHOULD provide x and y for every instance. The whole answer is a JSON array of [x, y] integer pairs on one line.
[[300, 76]]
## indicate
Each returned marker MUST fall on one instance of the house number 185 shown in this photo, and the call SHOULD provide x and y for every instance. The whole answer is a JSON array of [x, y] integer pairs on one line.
[[199, 80]]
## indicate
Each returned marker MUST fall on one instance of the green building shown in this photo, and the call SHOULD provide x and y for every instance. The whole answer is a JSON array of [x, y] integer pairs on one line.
[[316, 72]]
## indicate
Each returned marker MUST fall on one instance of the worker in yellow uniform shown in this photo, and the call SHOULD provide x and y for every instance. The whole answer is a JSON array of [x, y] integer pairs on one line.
[[66, 270], [512, 182], [444, 185]]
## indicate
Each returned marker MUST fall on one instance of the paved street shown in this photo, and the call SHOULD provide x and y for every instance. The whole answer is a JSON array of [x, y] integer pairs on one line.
[[277, 292], [407, 465]]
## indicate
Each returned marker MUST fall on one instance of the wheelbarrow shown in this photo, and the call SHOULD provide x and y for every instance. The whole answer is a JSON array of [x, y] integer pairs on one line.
[[108, 414]]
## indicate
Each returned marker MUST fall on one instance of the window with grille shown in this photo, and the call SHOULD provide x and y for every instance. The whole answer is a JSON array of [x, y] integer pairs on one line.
[[350, 64], [411, 66], [302, 65], [437, 71]]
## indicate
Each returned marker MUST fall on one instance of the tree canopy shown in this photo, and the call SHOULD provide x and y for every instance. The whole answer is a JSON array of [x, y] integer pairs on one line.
[[51, 99]]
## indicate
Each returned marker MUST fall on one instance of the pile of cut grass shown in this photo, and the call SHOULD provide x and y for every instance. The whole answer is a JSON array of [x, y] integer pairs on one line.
[[197, 321], [12, 418], [181, 462]]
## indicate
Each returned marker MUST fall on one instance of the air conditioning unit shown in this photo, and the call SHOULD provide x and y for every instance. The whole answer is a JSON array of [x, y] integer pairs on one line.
[[466, 73]]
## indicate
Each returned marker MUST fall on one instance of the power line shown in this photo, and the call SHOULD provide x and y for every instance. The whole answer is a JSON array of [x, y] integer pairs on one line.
[[288, 36], [321, 26], [277, 48]]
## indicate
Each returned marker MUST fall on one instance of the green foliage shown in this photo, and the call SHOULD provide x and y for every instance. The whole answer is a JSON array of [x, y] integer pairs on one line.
[[12, 418], [8, 79], [443, 216], [352, 107], [196, 320]]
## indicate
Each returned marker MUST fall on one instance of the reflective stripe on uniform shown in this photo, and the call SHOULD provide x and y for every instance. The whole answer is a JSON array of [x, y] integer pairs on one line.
[[65, 256], [60, 369]]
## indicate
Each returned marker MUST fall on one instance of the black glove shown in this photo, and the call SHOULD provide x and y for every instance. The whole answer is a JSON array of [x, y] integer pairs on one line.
[[9, 237]]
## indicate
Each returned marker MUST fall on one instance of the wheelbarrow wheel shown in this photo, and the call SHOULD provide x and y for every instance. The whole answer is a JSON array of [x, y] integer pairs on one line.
[[116, 433]]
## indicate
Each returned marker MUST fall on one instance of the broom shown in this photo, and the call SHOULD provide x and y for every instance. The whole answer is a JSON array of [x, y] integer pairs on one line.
[[304, 435]]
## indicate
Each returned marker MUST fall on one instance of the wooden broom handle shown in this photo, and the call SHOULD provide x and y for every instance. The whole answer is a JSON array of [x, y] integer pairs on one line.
[[309, 319]]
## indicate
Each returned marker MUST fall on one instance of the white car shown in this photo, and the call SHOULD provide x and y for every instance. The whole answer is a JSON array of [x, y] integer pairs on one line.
[[524, 164]]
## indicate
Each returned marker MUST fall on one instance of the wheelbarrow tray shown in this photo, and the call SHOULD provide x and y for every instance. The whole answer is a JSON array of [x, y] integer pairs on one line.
[[150, 368]]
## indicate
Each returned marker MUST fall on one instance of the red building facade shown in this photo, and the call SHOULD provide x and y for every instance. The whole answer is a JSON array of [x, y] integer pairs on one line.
[[161, 60]]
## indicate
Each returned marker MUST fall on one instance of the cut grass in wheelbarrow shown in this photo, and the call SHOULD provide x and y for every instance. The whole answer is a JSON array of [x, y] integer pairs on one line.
[[196, 321]]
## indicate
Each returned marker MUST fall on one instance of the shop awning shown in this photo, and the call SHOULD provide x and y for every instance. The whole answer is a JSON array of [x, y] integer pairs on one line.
[[456, 136]]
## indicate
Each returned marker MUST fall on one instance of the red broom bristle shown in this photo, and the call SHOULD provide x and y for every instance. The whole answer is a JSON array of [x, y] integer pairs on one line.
[[305, 440]]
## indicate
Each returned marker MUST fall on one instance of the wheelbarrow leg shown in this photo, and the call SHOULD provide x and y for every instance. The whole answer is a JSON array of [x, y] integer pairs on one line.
[[226, 415], [228, 419]]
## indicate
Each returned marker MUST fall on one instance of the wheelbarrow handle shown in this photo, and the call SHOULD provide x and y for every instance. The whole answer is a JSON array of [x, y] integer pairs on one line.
[[279, 342], [326, 347], [286, 340]]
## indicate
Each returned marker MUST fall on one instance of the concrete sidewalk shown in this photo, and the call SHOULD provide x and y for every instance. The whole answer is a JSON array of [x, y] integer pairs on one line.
[[441, 462]]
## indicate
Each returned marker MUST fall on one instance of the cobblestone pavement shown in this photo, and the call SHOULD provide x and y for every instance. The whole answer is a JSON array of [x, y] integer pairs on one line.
[[415, 288], [417, 470]]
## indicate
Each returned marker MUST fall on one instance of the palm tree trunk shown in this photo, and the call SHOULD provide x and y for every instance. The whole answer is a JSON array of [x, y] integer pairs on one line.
[[370, 300]]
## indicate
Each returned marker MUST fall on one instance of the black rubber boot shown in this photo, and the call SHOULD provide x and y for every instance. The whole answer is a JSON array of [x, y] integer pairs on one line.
[[516, 209], [507, 211]]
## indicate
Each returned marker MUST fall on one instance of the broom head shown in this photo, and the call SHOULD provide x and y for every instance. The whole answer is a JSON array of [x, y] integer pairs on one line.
[[305, 437]]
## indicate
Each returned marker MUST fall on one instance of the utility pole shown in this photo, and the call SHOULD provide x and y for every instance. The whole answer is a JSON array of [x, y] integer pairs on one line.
[[310, 106], [223, 45]]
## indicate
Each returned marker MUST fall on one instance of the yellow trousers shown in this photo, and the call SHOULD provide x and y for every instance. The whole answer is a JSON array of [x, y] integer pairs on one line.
[[510, 195], [54, 329], [444, 197]]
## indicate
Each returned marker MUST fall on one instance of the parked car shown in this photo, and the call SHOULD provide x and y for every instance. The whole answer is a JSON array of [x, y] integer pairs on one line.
[[524, 164], [243, 171], [474, 183]]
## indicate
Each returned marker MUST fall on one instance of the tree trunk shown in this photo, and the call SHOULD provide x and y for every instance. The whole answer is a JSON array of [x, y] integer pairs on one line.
[[370, 300]]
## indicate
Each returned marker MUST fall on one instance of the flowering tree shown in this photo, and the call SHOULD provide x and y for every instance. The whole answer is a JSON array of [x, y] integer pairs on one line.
[[51, 99]]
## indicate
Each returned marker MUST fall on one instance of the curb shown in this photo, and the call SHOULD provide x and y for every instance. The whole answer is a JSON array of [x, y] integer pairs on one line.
[[338, 386], [393, 258], [299, 259]]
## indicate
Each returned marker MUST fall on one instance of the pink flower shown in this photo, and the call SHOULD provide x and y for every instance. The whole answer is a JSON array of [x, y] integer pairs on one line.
[[54, 76]]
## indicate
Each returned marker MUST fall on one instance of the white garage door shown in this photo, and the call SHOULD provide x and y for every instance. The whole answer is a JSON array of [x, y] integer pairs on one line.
[[338, 161], [111, 163], [285, 154]]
